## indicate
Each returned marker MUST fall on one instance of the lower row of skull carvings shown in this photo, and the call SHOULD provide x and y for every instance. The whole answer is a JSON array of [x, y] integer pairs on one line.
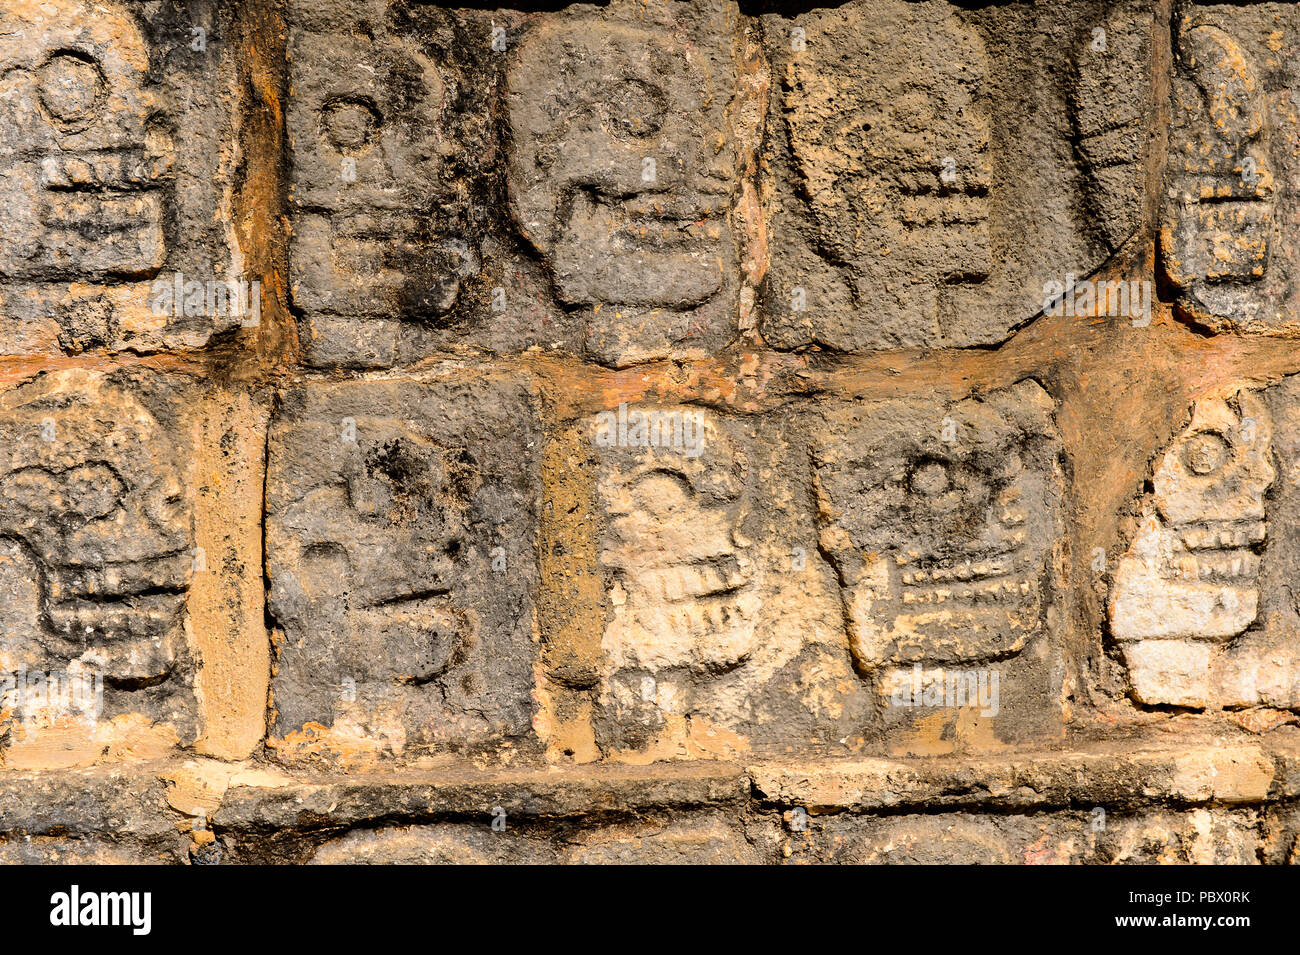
[[399, 549]]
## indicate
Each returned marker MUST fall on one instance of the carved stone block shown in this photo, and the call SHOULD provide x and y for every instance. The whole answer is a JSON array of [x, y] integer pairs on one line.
[[400, 556], [99, 559], [691, 543], [115, 177], [924, 192], [628, 135], [1199, 604], [1230, 205], [944, 523]]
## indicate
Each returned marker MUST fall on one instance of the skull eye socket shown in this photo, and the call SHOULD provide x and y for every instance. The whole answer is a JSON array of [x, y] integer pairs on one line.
[[635, 109], [71, 87], [350, 124], [929, 478], [661, 493], [1206, 453]]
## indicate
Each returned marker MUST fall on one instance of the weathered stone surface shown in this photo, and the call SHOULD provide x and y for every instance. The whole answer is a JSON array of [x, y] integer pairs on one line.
[[432, 845], [924, 193], [400, 529], [1127, 774], [380, 234], [717, 840], [1230, 206], [944, 524], [97, 556], [59, 851], [1202, 836], [715, 603], [624, 173], [653, 453], [1200, 605], [105, 537], [115, 175]]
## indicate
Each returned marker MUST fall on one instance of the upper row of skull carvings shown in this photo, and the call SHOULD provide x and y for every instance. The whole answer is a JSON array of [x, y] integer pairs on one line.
[[593, 180]]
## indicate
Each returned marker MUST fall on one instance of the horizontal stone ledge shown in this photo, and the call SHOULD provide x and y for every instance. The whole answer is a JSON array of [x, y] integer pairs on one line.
[[521, 793], [151, 800], [1229, 773]]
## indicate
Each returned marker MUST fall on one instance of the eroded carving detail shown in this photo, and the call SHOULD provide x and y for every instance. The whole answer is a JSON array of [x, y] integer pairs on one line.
[[378, 237], [682, 586], [1110, 107], [1218, 217], [83, 168], [1190, 580], [622, 176], [942, 524], [95, 552], [400, 624]]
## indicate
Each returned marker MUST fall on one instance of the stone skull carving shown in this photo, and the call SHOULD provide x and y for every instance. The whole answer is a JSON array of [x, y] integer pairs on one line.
[[941, 523], [94, 530], [681, 580], [1190, 578], [1218, 217], [400, 562], [367, 554], [372, 235], [85, 156], [895, 161], [622, 171]]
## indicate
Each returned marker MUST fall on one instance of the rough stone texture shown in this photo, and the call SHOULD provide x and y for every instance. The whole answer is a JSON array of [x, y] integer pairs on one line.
[[627, 185], [117, 173], [380, 239], [1230, 200], [944, 525], [400, 562], [721, 632], [1201, 606], [99, 558], [924, 193], [539, 520], [1201, 836]]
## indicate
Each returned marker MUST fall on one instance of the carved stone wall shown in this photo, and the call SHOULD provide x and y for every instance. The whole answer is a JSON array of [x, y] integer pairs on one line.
[[649, 431]]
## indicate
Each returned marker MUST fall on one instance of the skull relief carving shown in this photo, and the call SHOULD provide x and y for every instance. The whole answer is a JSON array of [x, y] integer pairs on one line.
[[400, 618], [681, 585], [941, 523], [622, 176], [1189, 581], [1218, 216], [85, 157], [377, 238], [94, 532], [896, 166]]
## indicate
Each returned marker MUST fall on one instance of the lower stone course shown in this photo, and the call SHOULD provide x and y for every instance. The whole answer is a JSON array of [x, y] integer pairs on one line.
[[1216, 799]]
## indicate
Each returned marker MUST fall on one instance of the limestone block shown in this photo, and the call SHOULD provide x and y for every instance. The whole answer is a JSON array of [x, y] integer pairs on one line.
[[717, 629], [105, 541], [400, 528], [1229, 206], [380, 247], [1198, 836], [931, 175], [943, 521], [627, 142], [116, 178], [1199, 605]]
